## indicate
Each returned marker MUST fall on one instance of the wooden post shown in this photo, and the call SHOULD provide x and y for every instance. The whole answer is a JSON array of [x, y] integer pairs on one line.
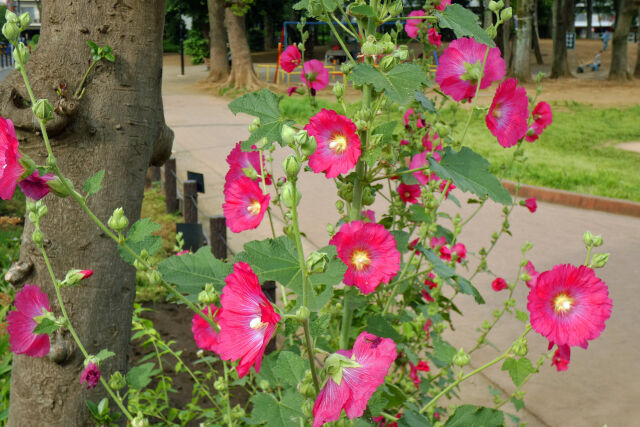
[[190, 206], [170, 189], [155, 174], [218, 236]]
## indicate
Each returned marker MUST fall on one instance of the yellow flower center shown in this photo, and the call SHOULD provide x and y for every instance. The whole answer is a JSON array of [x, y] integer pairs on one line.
[[360, 259], [254, 207], [338, 143], [497, 113], [257, 323], [563, 303]]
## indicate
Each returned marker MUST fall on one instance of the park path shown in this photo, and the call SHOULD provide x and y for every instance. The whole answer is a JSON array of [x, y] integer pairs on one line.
[[600, 386]]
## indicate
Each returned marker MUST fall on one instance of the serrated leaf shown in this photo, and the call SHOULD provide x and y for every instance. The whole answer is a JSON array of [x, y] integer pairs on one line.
[[467, 288], [517, 403], [443, 352], [104, 354], [471, 415], [426, 103], [399, 84], [301, 5], [377, 402], [412, 418], [139, 377], [418, 214], [320, 325], [191, 272], [402, 240], [386, 130], [285, 413], [362, 10], [463, 22], [381, 327], [518, 369], [139, 237], [469, 171], [46, 326], [93, 184], [290, 368], [267, 369]]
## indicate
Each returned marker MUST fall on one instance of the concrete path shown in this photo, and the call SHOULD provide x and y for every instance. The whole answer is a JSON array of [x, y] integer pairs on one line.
[[601, 385]]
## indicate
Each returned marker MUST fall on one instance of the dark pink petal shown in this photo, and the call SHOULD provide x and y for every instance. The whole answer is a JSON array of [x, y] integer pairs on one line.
[[290, 58], [10, 168], [245, 204]]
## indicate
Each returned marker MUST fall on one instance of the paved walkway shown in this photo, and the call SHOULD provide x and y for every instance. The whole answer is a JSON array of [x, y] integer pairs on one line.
[[601, 385]]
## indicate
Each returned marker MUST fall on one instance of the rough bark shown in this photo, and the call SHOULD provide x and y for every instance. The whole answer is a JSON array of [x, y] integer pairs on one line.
[[589, 18], [561, 13], [636, 72], [118, 125], [535, 35], [242, 74], [619, 68], [218, 60], [522, 62], [487, 15]]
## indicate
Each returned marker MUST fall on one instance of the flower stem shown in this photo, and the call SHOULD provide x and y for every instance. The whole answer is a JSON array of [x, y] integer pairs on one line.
[[475, 97], [228, 397], [78, 91]]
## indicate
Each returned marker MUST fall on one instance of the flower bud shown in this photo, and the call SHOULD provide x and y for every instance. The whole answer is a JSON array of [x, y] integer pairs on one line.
[[442, 129], [345, 192], [506, 14], [346, 68], [309, 146], [74, 277], [369, 47], [317, 262], [338, 90], [331, 229], [43, 110], [599, 260], [288, 135], [155, 278], [57, 187], [290, 195], [37, 237], [387, 63], [9, 16], [117, 381], [461, 358], [21, 55], [254, 125], [519, 347], [219, 384], [264, 385], [281, 181], [307, 407], [587, 238], [11, 31], [492, 32], [237, 412], [208, 295], [302, 314], [495, 6], [291, 166], [118, 221], [25, 20], [289, 231], [301, 137], [139, 421]]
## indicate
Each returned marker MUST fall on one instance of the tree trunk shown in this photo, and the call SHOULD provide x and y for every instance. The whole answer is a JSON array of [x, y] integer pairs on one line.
[[505, 42], [487, 16], [560, 64], [535, 35], [269, 42], [242, 74], [218, 58], [522, 63], [118, 126], [589, 18], [636, 72], [619, 68]]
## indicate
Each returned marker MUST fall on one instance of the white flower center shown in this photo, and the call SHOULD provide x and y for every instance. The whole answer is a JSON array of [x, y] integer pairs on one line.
[[338, 144], [563, 303], [257, 323], [254, 207]]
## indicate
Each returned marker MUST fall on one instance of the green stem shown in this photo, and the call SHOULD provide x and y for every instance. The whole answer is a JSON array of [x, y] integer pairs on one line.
[[311, 352], [347, 318], [164, 384], [228, 397], [475, 97], [264, 189], [86, 74], [586, 262]]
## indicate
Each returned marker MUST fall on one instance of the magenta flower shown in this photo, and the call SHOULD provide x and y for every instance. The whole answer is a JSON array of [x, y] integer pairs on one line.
[[409, 193], [244, 204], [370, 253], [10, 168], [184, 252], [242, 161], [406, 119], [460, 67], [291, 90], [442, 5], [314, 75], [542, 117], [354, 375], [507, 117], [561, 357], [290, 58], [530, 204], [569, 305], [429, 144], [499, 284], [434, 37], [422, 366], [338, 144], [90, 375], [205, 336], [30, 303], [368, 214], [531, 271], [418, 161], [460, 250], [247, 321], [35, 186], [412, 25]]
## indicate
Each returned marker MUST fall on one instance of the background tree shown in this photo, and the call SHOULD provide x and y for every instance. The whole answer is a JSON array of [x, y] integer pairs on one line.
[[619, 68], [636, 72], [242, 74], [118, 126], [218, 59], [522, 62], [563, 22]]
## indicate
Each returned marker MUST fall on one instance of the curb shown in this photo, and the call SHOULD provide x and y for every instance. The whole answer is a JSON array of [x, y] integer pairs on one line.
[[575, 200]]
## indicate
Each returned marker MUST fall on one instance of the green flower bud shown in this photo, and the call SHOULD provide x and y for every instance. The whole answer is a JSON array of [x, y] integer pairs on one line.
[[43, 110], [57, 187], [301, 137], [495, 6], [396, 8], [9, 16], [331, 229], [587, 238], [264, 385], [117, 381], [442, 129], [37, 237], [302, 314], [291, 166], [486, 324], [25, 20], [525, 277], [309, 146], [519, 347], [155, 278], [369, 47], [367, 196], [307, 406], [492, 32], [41, 209], [237, 412], [338, 90], [21, 55], [461, 358], [208, 295], [219, 384], [599, 260], [345, 192], [340, 205], [290, 195], [254, 125], [140, 421], [288, 135], [387, 63], [506, 14], [317, 262], [11, 31], [597, 240], [118, 221], [346, 68], [289, 231]]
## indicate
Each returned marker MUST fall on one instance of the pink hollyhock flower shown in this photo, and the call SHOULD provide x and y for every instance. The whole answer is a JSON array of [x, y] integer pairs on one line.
[[370, 253], [404, 142], [185, 252], [412, 25], [422, 366], [314, 75], [429, 144], [460, 68], [35, 186], [409, 193], [442, 5], [531, 271], [530, 204], [291, 90], [382, 421], [561, 357], [542, 117], [460, 250], [369, 214], [90, 375], [427, 296], [418, 161], [338, 144], [205, 336], [427, 326], [244, 205], [354, 375], [507, 117], [440, 243], [429, 281], [239, 161], [247, 321], [443, 186], [30, 303], [10, 168], [569, 305], [434, 37], [290, 58], [406, 119], [499, 284]]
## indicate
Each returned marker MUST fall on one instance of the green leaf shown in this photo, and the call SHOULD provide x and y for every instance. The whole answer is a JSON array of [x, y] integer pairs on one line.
[[109, 57], [285, 413], [139, 377], [463, 22], [265, 106], [386, 130], [518, 369], [46, 326], [104, 354], [381, 327], [140, 237], [517, 403], [439, 267], [471, 415], [329, 5], [92, 45], [267, 369], [443, 352], [426, 103], [190, 272], [377, 402], [301, 5], [467, 288], [417, 213], [320, 325], [469, 171], [399, 84], [290, 368], [412, 418], [522, 316], [362, 10], [402, 240], [93, 184]]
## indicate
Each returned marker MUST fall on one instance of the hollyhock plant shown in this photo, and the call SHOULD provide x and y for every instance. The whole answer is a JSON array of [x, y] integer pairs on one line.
[[434, 37], [409, 193], [247, 321], [561, 357], [30, 303], [244, 205], [442, 5], [542, 117], [90, 375], [239, 161], [10, 168], [290, 58], [354, 375], [419, 161], [569, 305], [507, 117], [338, 144], [530, 204], [314, 75], [460, 67], [499, 284], [460, 250], [422, 366], [205, 336], [412, 25], [369, 251], [35, 186], [406, 119], [533, 274], [368, 214]]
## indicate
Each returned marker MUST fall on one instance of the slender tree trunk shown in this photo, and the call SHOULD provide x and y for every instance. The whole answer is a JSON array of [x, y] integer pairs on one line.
[[268, 33], [589, 19], [619, 67], [487, 15], [218, 58], [242, 74], [636, 72], [535, 36], [560, 64], [118, 126], [522, 63]]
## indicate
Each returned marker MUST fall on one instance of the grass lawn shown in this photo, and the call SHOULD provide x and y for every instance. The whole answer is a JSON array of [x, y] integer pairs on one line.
[[575, 153]]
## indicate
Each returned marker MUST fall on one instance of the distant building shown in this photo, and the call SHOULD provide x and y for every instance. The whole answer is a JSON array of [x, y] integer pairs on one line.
[[31, 6], [602, 18]]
